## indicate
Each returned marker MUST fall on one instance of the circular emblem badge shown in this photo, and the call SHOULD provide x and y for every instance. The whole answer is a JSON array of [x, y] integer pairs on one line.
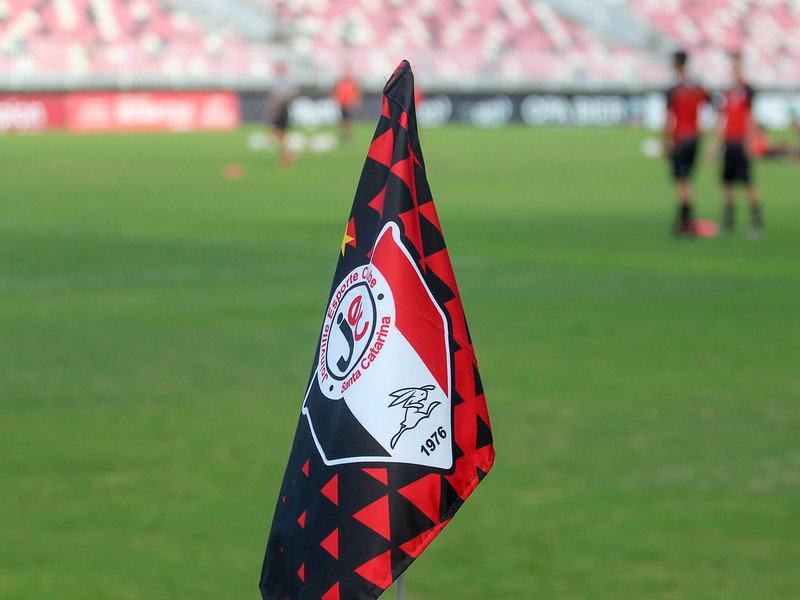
[[357, 324], [351, 330]]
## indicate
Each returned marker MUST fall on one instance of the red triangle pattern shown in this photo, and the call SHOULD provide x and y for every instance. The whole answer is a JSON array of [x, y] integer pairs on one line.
[[459, 323], [301, 572], [377, 202], [306, 468], [332, 594], [381, 475], [404, 120], [464, 478], [382, 148], [464, 381], [404, 169], [415, 546], [331, 490], [331, 544], [378, 570], [376, 517], [385, 108], [428, 210], [425, 494], [414, 156], [483, 412], [411, 228], [439, 262], [302, 520]]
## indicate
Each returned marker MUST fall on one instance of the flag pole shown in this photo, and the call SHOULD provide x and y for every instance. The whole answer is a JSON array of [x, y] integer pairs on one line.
[[400, 587]]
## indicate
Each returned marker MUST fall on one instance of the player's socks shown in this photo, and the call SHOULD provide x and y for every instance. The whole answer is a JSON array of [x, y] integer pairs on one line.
[[685, 222], [756, 223], [727, 218]]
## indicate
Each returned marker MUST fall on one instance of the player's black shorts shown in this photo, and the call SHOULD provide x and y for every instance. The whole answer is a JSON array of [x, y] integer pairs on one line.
[[347, 113], [683, 158], [735, 163], [281, 118]]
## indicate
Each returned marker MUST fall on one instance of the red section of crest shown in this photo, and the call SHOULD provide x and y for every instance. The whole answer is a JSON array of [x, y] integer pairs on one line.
[[377, 570], [376, 517], [417, 317]]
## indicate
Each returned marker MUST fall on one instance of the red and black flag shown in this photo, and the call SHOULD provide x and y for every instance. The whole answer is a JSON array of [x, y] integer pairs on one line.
[[394, 433]]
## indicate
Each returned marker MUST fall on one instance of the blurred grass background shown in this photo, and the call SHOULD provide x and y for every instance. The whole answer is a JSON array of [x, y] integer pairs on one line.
[[158, 322]]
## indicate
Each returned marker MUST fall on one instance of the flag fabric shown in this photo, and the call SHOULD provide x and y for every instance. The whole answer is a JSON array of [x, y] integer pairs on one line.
[[394, 433]]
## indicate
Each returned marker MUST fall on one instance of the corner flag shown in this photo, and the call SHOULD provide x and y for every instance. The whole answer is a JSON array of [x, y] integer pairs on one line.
[[394, 433]]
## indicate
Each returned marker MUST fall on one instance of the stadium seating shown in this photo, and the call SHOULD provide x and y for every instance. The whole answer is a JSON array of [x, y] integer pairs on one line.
[[516, 40], [115, 39], [766, 30], [122, 42]]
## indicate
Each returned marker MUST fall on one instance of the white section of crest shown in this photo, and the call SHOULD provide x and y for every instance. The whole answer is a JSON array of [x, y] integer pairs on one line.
[[396, 367]]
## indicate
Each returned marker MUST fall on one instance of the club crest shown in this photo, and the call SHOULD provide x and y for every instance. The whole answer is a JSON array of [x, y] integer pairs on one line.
[[383, 366]]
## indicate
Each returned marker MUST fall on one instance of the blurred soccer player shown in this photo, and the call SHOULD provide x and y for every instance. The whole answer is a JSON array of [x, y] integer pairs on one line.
[[682, 137], [277, 115], [737, 129], [347, 95]]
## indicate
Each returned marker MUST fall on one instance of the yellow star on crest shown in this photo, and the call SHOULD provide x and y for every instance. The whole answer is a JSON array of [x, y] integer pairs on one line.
[[349, 236], [346, 240]]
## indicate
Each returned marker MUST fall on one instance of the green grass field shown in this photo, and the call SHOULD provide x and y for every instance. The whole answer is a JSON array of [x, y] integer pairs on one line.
[[158, 323]]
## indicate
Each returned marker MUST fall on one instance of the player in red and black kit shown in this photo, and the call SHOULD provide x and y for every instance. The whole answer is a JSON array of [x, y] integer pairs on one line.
[[347, 94], [682, 137], [737, 128]]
